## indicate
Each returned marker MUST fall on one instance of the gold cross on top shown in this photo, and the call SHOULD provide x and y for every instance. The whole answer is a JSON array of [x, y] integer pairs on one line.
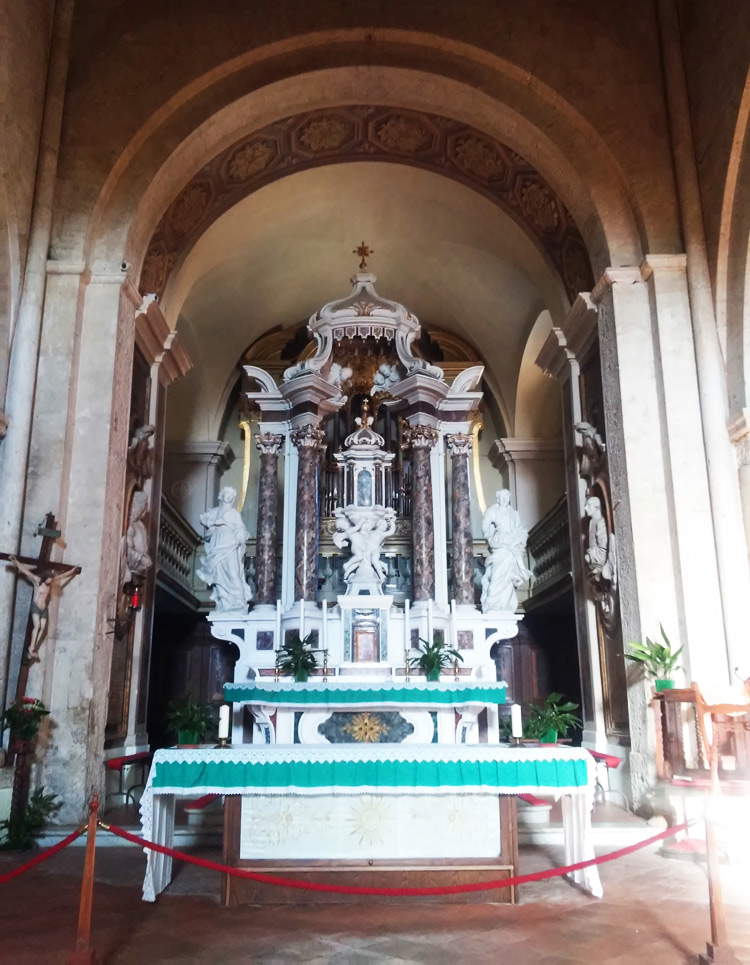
[[364, 253]]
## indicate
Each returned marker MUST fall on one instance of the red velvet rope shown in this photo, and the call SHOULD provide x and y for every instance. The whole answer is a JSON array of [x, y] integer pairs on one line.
[[347, 890], [42, 856]]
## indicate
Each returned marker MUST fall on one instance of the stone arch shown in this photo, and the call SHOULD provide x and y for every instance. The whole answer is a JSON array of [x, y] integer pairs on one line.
[[371, 133], [482, 89], [537, 409], [733, 261]]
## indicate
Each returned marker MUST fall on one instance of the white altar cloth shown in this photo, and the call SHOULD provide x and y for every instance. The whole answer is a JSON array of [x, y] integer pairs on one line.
[[367, 769]]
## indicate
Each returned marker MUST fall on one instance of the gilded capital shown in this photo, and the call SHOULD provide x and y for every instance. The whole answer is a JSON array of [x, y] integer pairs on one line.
[[419, 437], [268, 444], [308, 437], [459, 444]]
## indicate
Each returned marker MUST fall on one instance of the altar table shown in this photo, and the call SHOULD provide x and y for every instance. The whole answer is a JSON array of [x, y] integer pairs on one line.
[[471, 771]]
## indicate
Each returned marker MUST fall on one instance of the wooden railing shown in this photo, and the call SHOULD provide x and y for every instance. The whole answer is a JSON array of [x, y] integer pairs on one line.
[[178, 549], [680, 745], [549, 548]]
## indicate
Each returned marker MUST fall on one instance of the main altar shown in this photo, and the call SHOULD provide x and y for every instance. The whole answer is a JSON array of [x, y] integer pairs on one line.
[[367, 770]]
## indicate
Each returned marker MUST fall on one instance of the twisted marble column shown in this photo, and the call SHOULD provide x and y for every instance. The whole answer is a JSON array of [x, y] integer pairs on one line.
[[420, 440], [459, 447], [310, 442], [268, 446]]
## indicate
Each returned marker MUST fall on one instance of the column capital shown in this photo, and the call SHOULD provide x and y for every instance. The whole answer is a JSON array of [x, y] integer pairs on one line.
[[458, 443], [268, 443], [308, 437], [419, 437], [614, 276]]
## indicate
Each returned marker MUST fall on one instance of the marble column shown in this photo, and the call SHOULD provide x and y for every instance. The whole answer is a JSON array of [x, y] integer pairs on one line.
[[268, 445], [459, 447], [310, 442], [420, 440]]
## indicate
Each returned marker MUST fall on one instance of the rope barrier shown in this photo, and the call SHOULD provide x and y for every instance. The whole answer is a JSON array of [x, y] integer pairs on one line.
[[394, 892], [42, 856]]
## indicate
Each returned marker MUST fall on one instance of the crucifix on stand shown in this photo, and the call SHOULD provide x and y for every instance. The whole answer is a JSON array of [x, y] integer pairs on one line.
[[46, 577]]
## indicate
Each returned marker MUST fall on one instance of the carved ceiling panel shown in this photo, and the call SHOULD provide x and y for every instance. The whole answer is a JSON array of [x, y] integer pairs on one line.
[[354, 133]]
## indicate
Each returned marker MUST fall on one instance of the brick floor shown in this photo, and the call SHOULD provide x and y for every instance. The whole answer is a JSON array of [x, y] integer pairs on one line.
[[654, 912]]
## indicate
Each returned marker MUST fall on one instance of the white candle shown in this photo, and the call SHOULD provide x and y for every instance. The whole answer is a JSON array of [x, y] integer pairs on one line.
[[224, 722], [407, 628], [278, 624], [516, 722], [324, 643], [454, 635], [429, 621], [302, 619]]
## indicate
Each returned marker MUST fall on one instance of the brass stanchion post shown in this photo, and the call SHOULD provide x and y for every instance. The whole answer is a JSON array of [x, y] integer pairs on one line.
[[83, 953]]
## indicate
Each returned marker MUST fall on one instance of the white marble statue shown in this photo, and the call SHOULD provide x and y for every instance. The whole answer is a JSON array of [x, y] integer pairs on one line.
[[386, 376], [222, 563], [505, 568], [599, 557], [135, 548], [365, 530]]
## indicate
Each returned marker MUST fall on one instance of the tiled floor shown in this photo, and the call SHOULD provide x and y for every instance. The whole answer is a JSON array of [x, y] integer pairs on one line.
[[654, 912]]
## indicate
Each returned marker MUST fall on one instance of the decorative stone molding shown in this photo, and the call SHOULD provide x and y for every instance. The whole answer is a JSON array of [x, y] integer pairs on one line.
[[351, 132], [419, 437], [268, 444], [458, 443], [308, 437], [158, 343], [510, 450]]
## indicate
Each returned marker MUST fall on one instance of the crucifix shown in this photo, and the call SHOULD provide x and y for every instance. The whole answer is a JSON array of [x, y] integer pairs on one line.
[[364, 253], [46, 577]]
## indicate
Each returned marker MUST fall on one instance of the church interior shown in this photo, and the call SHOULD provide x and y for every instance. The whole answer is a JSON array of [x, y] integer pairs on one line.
[[375, 477]]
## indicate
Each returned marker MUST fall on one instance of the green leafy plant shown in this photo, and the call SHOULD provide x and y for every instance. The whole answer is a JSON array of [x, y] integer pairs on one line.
[[658, 660], [24, 718], [19, 833], [555, 715], [433, 657], [296, 658], [189, 719]]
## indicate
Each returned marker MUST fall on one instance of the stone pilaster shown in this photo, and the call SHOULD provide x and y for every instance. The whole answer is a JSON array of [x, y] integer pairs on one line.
[[420, 439], [459, 447], [310, 441], [268, 445]]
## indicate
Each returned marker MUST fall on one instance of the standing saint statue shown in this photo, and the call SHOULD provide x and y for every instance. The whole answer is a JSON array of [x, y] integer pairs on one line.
[[505, 569], [43, 587], [223, 562]]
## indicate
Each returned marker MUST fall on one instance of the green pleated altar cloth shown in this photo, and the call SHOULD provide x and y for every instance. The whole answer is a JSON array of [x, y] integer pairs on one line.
[[458, 770], [381, 694]]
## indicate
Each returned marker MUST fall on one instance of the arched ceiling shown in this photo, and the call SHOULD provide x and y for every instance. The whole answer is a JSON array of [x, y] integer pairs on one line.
[[357, 132], [450, 254]]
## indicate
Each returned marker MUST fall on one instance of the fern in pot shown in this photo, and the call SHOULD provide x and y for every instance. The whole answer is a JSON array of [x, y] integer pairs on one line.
[[658, 660], [296, 657], [189, 720], [434, 657], [551, 719]]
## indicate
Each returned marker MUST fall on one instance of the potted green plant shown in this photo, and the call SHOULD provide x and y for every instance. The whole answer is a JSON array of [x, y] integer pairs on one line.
[[658, 660], [24, 718], [551, 719], [189, 720], [296, 658], [433, 657]]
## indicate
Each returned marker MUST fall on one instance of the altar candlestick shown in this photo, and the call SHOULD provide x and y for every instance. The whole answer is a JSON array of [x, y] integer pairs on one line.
[[429, 621], [454, 636], [324, 642], [224, 722], [516, 722], [302, 619], [278, 624], [407, 638]]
